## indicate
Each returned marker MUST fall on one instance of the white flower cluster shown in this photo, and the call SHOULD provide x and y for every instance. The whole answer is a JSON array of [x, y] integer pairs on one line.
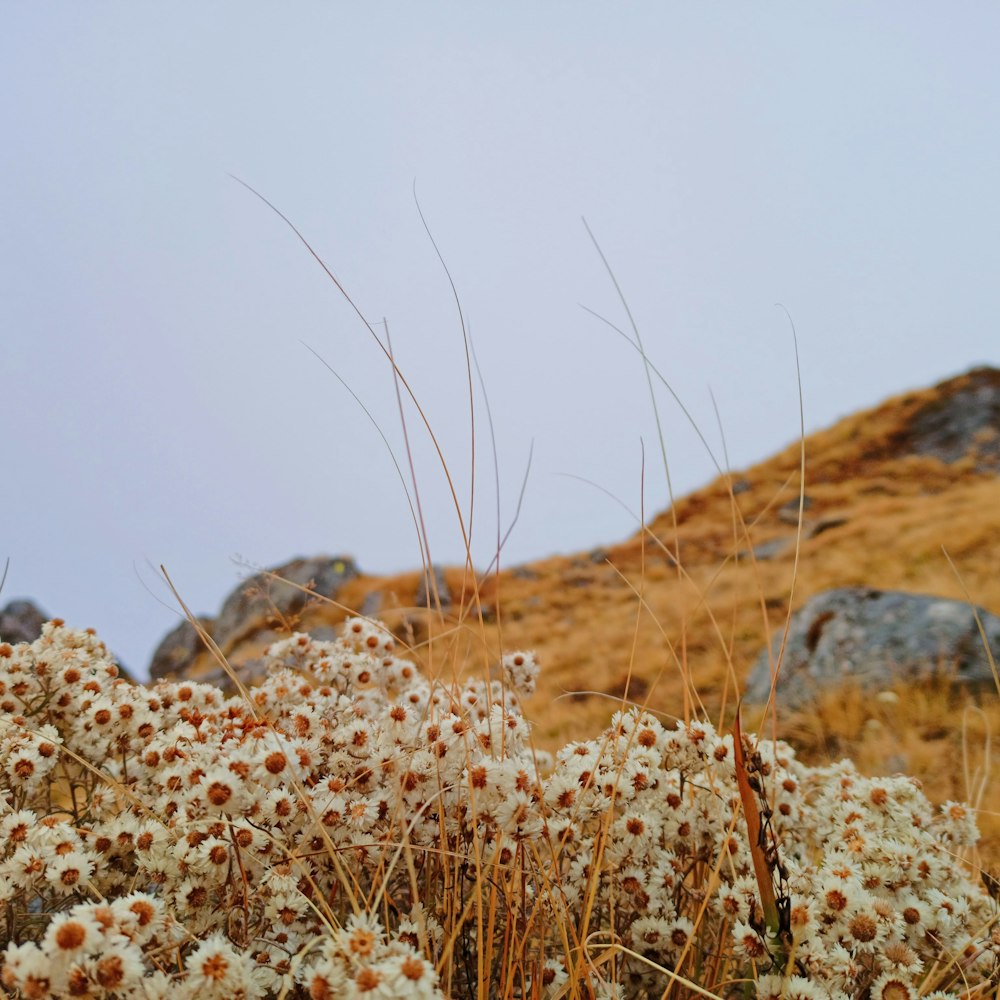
[[168, 842], [353, 830], [872, 900]]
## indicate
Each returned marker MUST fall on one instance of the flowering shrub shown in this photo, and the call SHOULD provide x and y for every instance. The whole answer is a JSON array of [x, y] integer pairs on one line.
[[352, 830]]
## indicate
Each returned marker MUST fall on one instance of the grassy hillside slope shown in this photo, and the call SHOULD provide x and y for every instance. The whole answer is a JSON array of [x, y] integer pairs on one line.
[[675, 615]]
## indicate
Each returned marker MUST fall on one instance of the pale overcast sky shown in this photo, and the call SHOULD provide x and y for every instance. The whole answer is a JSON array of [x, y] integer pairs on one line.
[[160, 407]]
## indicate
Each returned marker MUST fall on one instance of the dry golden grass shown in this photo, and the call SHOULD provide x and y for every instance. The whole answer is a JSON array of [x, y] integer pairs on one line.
[[931, 731], [670, 619], [626, 622]]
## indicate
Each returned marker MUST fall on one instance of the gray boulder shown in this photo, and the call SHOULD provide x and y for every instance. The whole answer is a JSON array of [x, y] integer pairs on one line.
[[177, 649], [875, 638], [372, 604], [263, 600], [21, 621], [426, 595], [254, 608], [965, 421]]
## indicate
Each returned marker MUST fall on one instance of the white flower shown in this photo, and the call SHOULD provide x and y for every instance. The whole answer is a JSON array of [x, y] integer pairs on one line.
[[158, 986], [958, 823], [408, 975], [25, 866], [216, 971], [118, 967], [518, 815], [522, 672], [69, 872], [894, 986], [28, 968], [553, 976], [72, 934], [775, 987], [609, 991], [14, 827], [139, 916], [279, 805], [749, 942], [651, 934]]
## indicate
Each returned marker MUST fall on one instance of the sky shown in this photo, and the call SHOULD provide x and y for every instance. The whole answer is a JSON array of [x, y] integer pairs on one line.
[[167, 341]]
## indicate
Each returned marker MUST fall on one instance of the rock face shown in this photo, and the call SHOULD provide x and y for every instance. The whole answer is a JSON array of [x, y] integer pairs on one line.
[[253, 608], [965, 421], [427, 597], [262, 599], [177, 649], [875, 638], [21, 621]]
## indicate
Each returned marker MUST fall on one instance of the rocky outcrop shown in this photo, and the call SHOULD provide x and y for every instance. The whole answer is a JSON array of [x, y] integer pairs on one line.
[[262, 604], [876, 638], [964, 421], [265, 599], [177, 649], [21, 621], [434, 590]]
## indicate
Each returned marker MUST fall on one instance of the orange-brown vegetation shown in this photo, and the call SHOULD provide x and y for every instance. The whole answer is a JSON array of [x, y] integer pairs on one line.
[[675, 615]]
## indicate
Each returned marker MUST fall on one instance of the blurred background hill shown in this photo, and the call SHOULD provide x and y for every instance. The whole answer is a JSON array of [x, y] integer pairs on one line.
[[902, 497]]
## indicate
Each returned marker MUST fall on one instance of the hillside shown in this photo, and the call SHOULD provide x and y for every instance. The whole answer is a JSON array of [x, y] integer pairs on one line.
[[886, 491]]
